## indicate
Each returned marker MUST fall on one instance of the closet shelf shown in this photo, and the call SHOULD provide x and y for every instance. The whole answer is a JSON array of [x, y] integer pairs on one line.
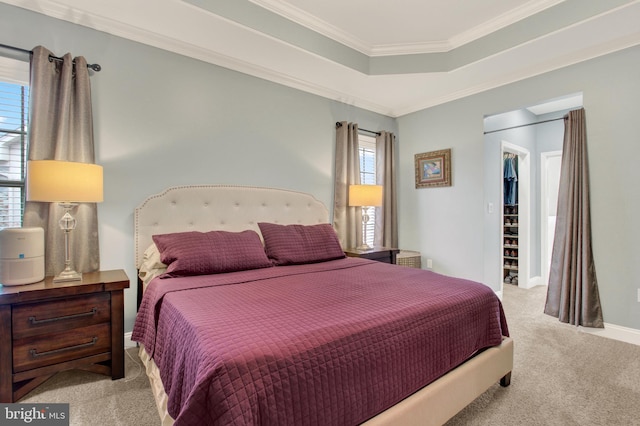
[[510, 243]]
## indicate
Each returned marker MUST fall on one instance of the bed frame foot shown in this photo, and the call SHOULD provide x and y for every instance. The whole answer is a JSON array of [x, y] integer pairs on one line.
[[506, 380]]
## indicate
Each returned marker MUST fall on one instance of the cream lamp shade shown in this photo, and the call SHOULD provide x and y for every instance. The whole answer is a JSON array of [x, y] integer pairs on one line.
[[365, 195], [64, 181]]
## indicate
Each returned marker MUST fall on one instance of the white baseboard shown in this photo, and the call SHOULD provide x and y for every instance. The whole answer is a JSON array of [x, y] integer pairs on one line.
[[615, 332], [610, 331], [533, 281], [128, 343]]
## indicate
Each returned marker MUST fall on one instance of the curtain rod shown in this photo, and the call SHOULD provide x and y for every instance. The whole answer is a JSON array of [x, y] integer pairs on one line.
[[524, 125], [339, 124], [94, 67]]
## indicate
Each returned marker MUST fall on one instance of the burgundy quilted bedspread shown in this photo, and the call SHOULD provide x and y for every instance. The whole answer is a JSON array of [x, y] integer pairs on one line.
[[331, 343]]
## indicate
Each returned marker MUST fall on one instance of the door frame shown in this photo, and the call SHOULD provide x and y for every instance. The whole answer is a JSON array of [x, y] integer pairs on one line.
[[524, 213], [544, 209]]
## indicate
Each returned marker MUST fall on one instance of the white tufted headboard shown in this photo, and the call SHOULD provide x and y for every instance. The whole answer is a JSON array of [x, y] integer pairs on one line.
[[221, 207]]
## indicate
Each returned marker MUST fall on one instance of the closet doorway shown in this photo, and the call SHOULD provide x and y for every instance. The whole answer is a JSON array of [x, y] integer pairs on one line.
[[516, 215], [550, 163], [535, 135]]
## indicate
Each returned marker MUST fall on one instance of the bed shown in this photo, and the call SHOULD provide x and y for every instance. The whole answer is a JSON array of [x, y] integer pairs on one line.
[[316, 339]]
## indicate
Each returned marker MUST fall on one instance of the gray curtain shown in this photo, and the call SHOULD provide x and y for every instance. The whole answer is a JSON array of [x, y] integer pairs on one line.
[[347, 220], [61, 128], [386, 234], [572, 295]]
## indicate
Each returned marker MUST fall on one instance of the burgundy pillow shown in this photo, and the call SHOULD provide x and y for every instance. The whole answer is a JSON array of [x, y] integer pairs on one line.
[[201, 253], [296, 244]]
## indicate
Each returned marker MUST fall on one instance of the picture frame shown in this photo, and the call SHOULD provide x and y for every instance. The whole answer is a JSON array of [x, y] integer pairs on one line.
[[433, 169]]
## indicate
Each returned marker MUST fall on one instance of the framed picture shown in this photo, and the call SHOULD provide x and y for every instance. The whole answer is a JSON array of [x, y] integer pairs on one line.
[[433, 169]]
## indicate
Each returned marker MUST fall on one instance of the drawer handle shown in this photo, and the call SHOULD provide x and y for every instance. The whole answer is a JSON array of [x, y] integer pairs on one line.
[[35, 321], [34, 353]]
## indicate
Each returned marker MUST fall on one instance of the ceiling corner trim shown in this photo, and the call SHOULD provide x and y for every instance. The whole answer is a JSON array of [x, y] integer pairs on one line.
[[405, 91], [47, 7], [410, 49], [502, 21], [504, 80], [313, 23]]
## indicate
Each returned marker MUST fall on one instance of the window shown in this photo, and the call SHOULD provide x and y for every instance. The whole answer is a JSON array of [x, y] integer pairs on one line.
[[13, 152], [367, 151]]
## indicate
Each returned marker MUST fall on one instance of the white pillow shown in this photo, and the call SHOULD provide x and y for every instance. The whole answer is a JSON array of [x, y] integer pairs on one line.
[[151, 258], [151, 266]]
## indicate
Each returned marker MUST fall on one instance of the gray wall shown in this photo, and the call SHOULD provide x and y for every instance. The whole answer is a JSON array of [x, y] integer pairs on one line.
[[446, 224], [162, 120]]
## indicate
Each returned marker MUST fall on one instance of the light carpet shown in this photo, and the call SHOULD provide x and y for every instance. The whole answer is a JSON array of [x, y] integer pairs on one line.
[[561, 375]]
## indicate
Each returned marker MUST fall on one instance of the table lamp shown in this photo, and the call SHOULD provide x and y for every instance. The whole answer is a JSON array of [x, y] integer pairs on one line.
[[365, 196], [66, 183]]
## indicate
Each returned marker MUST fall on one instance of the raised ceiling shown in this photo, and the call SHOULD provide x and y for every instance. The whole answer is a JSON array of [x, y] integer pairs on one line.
[[391, 57]]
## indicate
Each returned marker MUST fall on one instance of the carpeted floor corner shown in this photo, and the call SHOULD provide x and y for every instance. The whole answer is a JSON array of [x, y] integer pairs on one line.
[[561, 376], [97, 400]]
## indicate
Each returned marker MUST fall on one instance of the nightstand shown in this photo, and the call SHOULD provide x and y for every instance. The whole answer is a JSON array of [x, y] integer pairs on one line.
[[381, 254], [50, 327]]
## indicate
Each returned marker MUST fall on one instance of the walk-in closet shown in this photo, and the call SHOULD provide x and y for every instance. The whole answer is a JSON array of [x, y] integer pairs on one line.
[[522, 160], [510, 218]]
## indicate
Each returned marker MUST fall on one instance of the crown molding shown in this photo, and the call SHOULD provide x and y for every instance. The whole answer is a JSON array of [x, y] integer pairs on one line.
[[225, 61], [129, 32], [501, 21], [390, 108], [409, 48], [503, 80], [313, 23]]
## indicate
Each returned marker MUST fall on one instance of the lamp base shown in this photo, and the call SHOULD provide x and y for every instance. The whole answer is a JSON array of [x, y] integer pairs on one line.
[[67, 224], [67, 275], [364, 247]]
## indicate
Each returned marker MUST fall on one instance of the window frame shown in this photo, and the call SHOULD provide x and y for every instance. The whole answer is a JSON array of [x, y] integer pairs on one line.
[[367, 147], [17, 112]]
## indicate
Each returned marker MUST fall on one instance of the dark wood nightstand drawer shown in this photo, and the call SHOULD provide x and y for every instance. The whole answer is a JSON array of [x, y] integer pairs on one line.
[[32, 319], [54, 348], [380, 254], [48, 327]]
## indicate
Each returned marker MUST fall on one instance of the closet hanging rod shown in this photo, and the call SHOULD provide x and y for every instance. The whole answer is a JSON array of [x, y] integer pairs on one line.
[[94, 67], [339, 124], [525, 125]]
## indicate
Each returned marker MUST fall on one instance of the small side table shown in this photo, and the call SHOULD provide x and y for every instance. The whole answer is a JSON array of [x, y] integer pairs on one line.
[[48, 327], [381, 254]]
